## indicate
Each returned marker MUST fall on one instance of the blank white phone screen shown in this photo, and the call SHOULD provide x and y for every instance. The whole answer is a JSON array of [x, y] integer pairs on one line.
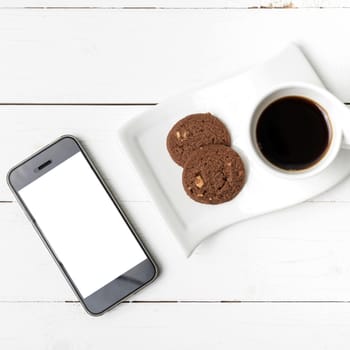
[[82, 225]]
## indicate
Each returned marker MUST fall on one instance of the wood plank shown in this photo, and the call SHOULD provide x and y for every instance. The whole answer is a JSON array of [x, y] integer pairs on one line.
[[25, 129], [296, 254], [146, 55], [174, 4], [177, 326]]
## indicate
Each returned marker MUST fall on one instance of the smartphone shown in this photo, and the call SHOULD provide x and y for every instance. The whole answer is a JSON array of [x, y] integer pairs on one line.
[[82, 225]]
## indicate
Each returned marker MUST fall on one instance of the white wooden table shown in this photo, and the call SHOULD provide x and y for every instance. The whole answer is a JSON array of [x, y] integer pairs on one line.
[[281, 281]]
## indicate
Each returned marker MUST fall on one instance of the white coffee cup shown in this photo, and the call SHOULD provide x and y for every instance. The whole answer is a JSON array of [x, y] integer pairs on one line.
[[338, 120]]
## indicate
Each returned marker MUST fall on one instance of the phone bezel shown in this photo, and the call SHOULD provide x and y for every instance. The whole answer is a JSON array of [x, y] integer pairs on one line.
[[106, 297]]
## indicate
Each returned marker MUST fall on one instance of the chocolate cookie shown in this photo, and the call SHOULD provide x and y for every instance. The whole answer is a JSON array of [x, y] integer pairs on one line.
[[213, 174], [194, 131]]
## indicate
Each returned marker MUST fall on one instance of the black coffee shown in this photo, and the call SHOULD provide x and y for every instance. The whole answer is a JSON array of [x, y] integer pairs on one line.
[[293, 133]]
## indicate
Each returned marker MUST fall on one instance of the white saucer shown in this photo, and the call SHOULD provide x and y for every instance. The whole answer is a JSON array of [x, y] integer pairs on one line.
[[233, 101]]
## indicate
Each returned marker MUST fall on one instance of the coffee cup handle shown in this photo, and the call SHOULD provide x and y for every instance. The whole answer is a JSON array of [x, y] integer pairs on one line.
[[345, 119]]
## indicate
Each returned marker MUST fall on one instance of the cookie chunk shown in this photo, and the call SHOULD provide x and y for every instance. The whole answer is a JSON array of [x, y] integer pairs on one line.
[[213, 174], [194, 131]]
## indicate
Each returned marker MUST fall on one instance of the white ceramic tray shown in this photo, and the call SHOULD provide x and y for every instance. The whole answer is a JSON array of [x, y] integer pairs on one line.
[[233, 101]]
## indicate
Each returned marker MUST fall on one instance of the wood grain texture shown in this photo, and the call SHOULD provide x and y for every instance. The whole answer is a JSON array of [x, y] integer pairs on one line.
[[146, 55], [177, 326], [298, 254], [28, 128], [175, 4]]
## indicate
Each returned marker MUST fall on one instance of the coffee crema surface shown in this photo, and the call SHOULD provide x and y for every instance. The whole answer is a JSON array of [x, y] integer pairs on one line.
[[293, 133]]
